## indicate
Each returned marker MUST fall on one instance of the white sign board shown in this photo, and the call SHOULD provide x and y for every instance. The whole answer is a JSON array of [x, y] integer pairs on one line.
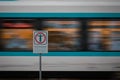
[[40, 41]]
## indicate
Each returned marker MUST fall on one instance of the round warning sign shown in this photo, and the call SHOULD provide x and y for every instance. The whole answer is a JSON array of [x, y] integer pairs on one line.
[[40, 38]]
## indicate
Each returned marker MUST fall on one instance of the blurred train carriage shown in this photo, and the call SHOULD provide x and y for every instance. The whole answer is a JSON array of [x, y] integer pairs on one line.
[[83, 35]]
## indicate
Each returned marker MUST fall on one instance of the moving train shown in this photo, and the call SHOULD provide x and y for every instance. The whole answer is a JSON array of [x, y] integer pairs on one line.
[[83, 35]]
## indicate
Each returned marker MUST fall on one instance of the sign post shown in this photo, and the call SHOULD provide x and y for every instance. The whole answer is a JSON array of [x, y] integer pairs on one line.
[[40, 67], [40, 45]]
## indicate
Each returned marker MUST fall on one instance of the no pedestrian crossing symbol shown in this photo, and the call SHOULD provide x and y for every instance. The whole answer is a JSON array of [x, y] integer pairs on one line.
[[40, 41]]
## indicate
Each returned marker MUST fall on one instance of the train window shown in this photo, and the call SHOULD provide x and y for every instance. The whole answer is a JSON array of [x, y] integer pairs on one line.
[[104, 35], [17, 34], [64, 35]]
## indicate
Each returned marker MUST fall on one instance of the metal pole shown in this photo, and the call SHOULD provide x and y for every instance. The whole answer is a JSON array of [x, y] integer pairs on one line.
[[40, 67]]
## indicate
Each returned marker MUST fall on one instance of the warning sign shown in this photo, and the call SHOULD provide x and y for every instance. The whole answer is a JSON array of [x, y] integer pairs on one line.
[[40, 41]]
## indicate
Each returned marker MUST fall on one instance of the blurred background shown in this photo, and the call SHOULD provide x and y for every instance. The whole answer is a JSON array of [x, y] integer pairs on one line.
[[84, 39]]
